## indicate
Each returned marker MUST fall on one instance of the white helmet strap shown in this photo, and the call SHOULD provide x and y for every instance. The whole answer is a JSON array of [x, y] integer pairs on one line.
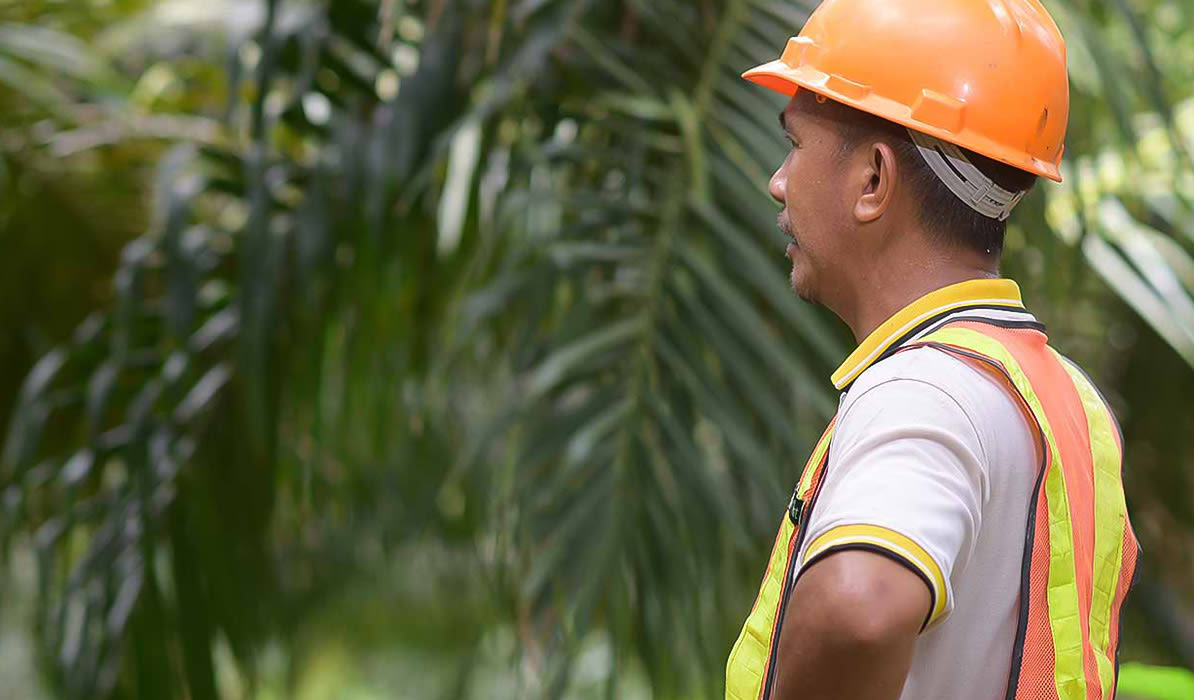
[[964, 179]]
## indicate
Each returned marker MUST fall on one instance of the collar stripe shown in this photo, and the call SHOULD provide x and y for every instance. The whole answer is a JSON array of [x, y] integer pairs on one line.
[[1002, 316], [997, 293], [1021, 321]]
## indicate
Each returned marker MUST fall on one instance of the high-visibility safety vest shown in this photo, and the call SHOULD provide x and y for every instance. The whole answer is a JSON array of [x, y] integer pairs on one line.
[[1080, 555]]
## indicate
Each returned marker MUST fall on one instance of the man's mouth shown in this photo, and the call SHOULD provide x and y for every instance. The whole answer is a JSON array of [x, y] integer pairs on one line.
[[786, 230]]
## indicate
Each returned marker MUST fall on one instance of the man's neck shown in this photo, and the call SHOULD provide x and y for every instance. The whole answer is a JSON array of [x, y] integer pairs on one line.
[[893, 288]]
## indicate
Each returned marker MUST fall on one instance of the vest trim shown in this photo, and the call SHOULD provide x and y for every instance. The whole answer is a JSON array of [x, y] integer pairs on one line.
[[1009, 324], [1120, 625]]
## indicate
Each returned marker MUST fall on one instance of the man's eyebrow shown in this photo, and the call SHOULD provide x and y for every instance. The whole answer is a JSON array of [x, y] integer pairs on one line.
[[783, 121]]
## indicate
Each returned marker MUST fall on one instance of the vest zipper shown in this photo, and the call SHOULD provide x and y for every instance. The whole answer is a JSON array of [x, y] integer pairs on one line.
[[790, 581]]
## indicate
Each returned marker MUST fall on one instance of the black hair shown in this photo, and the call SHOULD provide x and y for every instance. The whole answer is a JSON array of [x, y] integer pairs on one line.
[[947, 218]]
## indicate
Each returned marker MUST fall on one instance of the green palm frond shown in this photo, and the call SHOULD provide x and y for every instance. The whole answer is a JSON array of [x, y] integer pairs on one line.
[[679, 381], [1127, 206]]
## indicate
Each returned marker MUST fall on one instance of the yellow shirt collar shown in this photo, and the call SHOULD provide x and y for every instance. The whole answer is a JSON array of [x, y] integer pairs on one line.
[[982, 292]]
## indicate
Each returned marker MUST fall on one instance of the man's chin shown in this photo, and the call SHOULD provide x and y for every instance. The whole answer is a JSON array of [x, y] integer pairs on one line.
[[800, 285]]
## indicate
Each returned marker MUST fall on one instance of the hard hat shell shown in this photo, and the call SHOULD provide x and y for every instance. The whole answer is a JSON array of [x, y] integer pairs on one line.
[[987, 75]]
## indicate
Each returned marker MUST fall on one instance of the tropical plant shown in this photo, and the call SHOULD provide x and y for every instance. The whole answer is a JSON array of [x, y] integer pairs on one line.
[[465, 335]]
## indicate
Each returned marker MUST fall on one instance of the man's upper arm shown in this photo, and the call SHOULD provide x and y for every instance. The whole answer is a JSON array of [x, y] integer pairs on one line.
[[850, 630]]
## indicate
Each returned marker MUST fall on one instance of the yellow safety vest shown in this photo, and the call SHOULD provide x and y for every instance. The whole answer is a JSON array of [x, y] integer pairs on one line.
[[1080, 557]]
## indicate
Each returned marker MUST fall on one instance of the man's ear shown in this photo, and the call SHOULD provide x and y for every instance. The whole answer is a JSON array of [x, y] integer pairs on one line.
[[877, 179]]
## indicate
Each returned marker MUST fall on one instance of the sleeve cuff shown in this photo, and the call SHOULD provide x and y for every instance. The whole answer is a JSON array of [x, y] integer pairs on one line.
[[892, 544]]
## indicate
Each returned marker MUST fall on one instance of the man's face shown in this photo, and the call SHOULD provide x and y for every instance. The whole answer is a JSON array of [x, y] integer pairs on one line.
[[816, 206]]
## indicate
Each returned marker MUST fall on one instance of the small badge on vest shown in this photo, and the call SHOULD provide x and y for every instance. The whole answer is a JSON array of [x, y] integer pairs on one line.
[[795, 506]]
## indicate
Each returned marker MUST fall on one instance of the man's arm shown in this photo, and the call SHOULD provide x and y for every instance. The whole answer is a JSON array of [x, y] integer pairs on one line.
[[850, 628]]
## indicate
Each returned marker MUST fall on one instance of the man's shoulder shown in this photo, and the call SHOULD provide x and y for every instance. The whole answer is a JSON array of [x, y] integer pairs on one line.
[[923, 370], [924, 364]]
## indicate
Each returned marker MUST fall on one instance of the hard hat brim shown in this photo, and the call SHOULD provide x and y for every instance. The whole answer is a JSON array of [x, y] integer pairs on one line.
[[782, 78]]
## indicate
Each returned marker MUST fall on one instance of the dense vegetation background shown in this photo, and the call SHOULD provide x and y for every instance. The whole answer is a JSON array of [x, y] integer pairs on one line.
[[443, 348]]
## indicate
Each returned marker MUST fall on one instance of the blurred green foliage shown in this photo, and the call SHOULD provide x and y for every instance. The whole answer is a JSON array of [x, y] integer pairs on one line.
[[1155, 683], [445, 345]]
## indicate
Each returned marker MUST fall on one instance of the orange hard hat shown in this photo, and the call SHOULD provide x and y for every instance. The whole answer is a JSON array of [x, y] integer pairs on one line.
[[986, 75]]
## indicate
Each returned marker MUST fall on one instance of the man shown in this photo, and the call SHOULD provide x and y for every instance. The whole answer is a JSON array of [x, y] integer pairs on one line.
[[960, 530]]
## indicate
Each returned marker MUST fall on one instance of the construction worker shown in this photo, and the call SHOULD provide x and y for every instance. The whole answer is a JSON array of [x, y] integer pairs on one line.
[[960, 530]]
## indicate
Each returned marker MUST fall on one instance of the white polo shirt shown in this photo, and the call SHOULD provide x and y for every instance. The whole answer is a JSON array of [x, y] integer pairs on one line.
[[933, 464]]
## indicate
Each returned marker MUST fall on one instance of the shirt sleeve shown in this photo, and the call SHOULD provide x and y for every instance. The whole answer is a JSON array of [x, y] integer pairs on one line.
[[905, 479]]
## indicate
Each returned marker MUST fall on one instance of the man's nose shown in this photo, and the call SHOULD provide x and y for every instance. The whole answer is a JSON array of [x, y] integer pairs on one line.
[[778, 184]]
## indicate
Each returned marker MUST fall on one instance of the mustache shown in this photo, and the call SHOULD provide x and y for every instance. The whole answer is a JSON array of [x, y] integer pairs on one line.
[[784, 226]]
